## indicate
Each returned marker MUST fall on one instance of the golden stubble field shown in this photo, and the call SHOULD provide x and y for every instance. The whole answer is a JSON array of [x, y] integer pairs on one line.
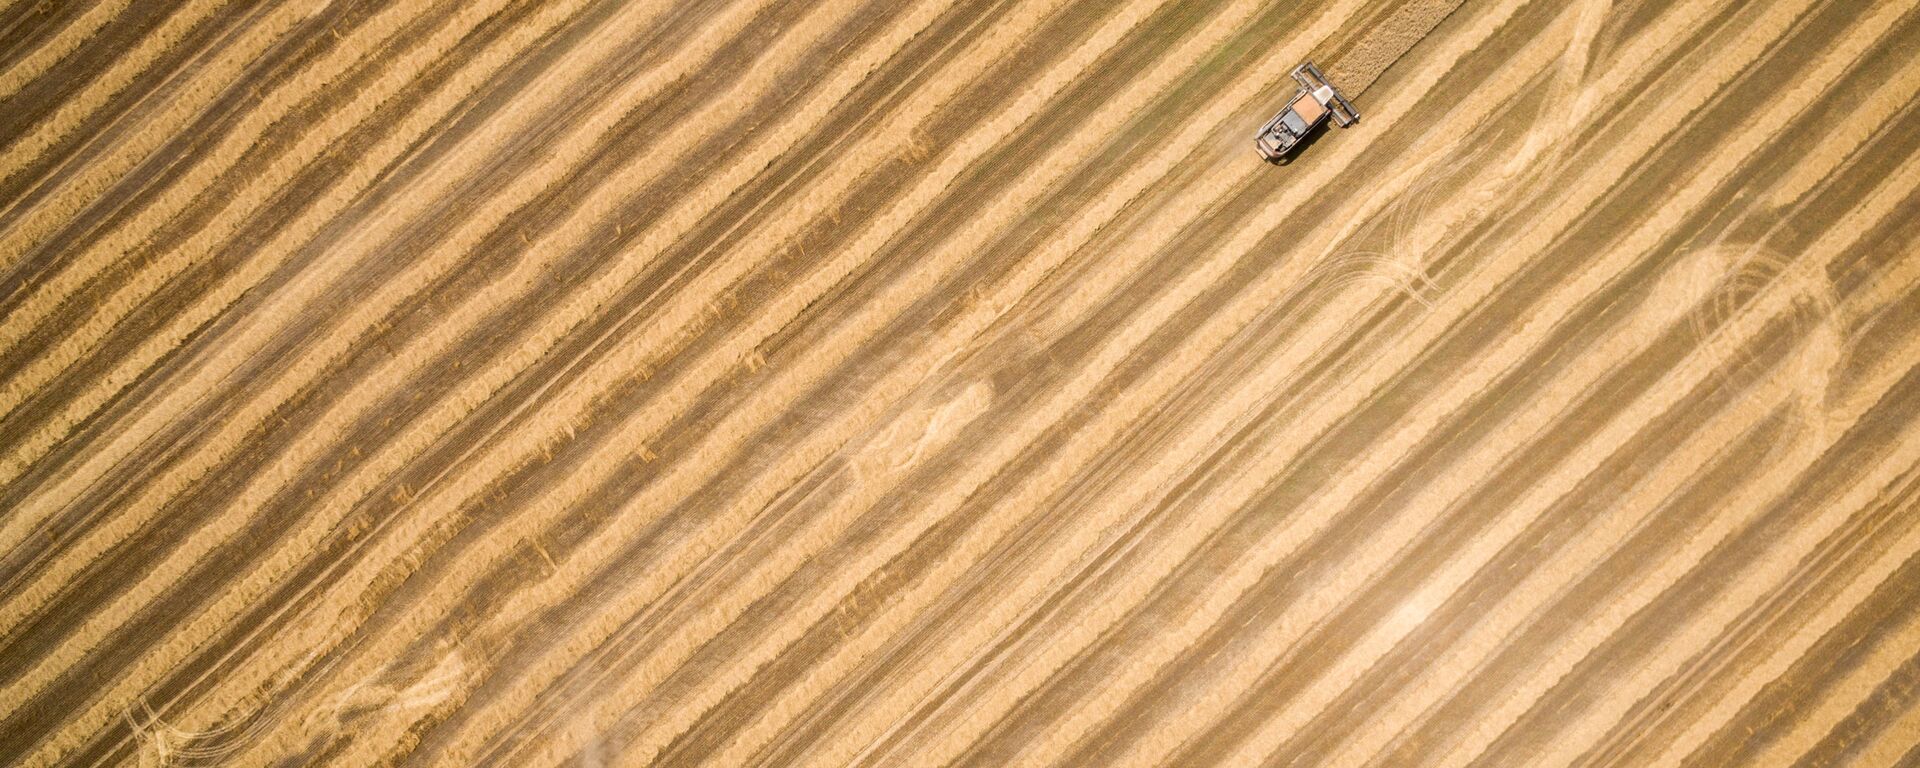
[[902, 382]]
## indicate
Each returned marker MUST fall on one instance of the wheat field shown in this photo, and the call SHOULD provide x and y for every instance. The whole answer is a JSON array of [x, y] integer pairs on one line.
[[929, 382]]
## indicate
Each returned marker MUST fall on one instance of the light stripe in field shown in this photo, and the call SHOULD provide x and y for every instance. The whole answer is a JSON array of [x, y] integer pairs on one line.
[[905, 377], [1505, 619], [74, 112], [234, 58], [106, 534], [44, 57], [135, 234], [480, 146], [898, 36], [1898, 744], [1358, 386], [829, 382], [986, 136]]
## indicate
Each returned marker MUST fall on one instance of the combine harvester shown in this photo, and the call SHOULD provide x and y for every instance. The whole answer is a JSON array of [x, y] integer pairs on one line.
[[1312, 103]]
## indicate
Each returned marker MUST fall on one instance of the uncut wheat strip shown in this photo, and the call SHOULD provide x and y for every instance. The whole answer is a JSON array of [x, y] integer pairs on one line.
[[1698, 369], [128, 519], [306, 285], [44, 57], [217, 235], [187, 394], [989, 135], [1835, 700], [367, 41], [1574, 562], [1175, 645], [764, 153], [80, 106], [204, 83]]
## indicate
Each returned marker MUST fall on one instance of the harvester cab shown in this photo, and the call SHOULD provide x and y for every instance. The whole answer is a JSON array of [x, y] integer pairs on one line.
[[1312, 104]]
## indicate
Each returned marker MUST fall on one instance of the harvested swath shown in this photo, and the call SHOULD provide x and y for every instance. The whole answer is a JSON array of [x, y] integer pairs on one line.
[[106, 535], [807, 384], [217, 235], [454, 253], [1596, 543], [908, 29], [1526, 418], [982, 308], [45, 56], [816, 284], [229, 65]]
